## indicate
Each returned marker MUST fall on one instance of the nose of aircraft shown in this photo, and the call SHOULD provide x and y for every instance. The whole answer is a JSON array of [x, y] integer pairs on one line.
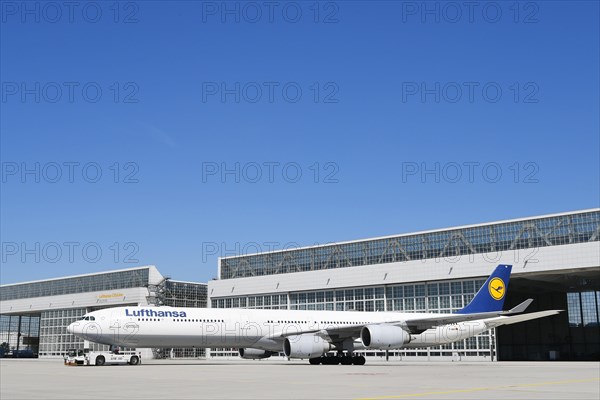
[[71, 328]]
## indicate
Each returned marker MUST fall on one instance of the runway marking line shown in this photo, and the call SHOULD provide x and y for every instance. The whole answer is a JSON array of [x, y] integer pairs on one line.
[[481, 389]]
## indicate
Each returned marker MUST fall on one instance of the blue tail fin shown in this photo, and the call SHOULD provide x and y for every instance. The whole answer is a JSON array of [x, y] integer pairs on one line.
[[491, 295]]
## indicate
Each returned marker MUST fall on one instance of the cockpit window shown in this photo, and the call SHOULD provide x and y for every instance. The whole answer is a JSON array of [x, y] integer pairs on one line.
[[87, 318]]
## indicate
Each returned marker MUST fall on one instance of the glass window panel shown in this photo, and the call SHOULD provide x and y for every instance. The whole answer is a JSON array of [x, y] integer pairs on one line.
[[574, 309], [419, 290], [468, 287], [484, 341], [398, 305], [398, 291], [432, 303], [432, 289], [456, 287], [444, 288], [444, 301], [457, 302], [588, 309]]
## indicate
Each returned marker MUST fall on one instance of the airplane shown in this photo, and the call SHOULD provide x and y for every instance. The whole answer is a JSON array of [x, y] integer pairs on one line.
[[302, 334]]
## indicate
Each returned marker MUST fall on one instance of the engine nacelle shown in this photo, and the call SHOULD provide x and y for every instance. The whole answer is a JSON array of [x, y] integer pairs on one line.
[[254, 354], [305, 346], [384, 337]]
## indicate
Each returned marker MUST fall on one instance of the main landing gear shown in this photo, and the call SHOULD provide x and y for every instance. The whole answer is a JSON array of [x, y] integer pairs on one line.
[[338, 359]]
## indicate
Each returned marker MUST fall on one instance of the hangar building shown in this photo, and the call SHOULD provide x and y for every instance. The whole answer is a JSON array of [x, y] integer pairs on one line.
[[34, 315], [555, 258]]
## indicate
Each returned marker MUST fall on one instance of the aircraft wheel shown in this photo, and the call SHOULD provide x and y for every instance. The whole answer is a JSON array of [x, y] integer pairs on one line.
[[346, 360], [359, 360], [331, 360], [100, 360], [314, 361]]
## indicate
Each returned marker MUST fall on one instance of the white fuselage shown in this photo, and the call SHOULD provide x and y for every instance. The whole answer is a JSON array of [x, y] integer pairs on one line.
[[238, 328]]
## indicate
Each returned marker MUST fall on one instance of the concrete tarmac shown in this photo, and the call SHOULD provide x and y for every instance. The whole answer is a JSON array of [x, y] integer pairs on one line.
[[274, 379]]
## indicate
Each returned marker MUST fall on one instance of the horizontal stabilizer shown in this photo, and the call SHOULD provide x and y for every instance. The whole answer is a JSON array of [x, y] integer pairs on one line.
[[513, 319], [520, 308]]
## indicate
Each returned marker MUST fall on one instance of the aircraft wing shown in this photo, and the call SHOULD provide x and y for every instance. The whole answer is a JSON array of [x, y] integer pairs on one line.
[[328, 332], [416, 325]]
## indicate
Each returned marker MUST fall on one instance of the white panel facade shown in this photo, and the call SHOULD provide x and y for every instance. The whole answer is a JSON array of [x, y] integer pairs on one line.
[[76, 300]]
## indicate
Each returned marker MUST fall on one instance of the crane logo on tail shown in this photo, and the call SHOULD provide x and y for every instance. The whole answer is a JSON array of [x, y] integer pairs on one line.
[[496, 288]]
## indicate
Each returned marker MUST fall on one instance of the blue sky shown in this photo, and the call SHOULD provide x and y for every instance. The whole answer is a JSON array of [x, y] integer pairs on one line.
[[398, 119]]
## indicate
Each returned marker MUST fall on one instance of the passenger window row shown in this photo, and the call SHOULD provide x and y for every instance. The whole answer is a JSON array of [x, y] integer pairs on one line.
[[321, 322], [182, 320]]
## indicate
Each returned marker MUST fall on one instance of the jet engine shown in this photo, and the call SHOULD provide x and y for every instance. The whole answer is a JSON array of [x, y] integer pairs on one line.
[[254, 354], [305, 346], [384, 337]]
